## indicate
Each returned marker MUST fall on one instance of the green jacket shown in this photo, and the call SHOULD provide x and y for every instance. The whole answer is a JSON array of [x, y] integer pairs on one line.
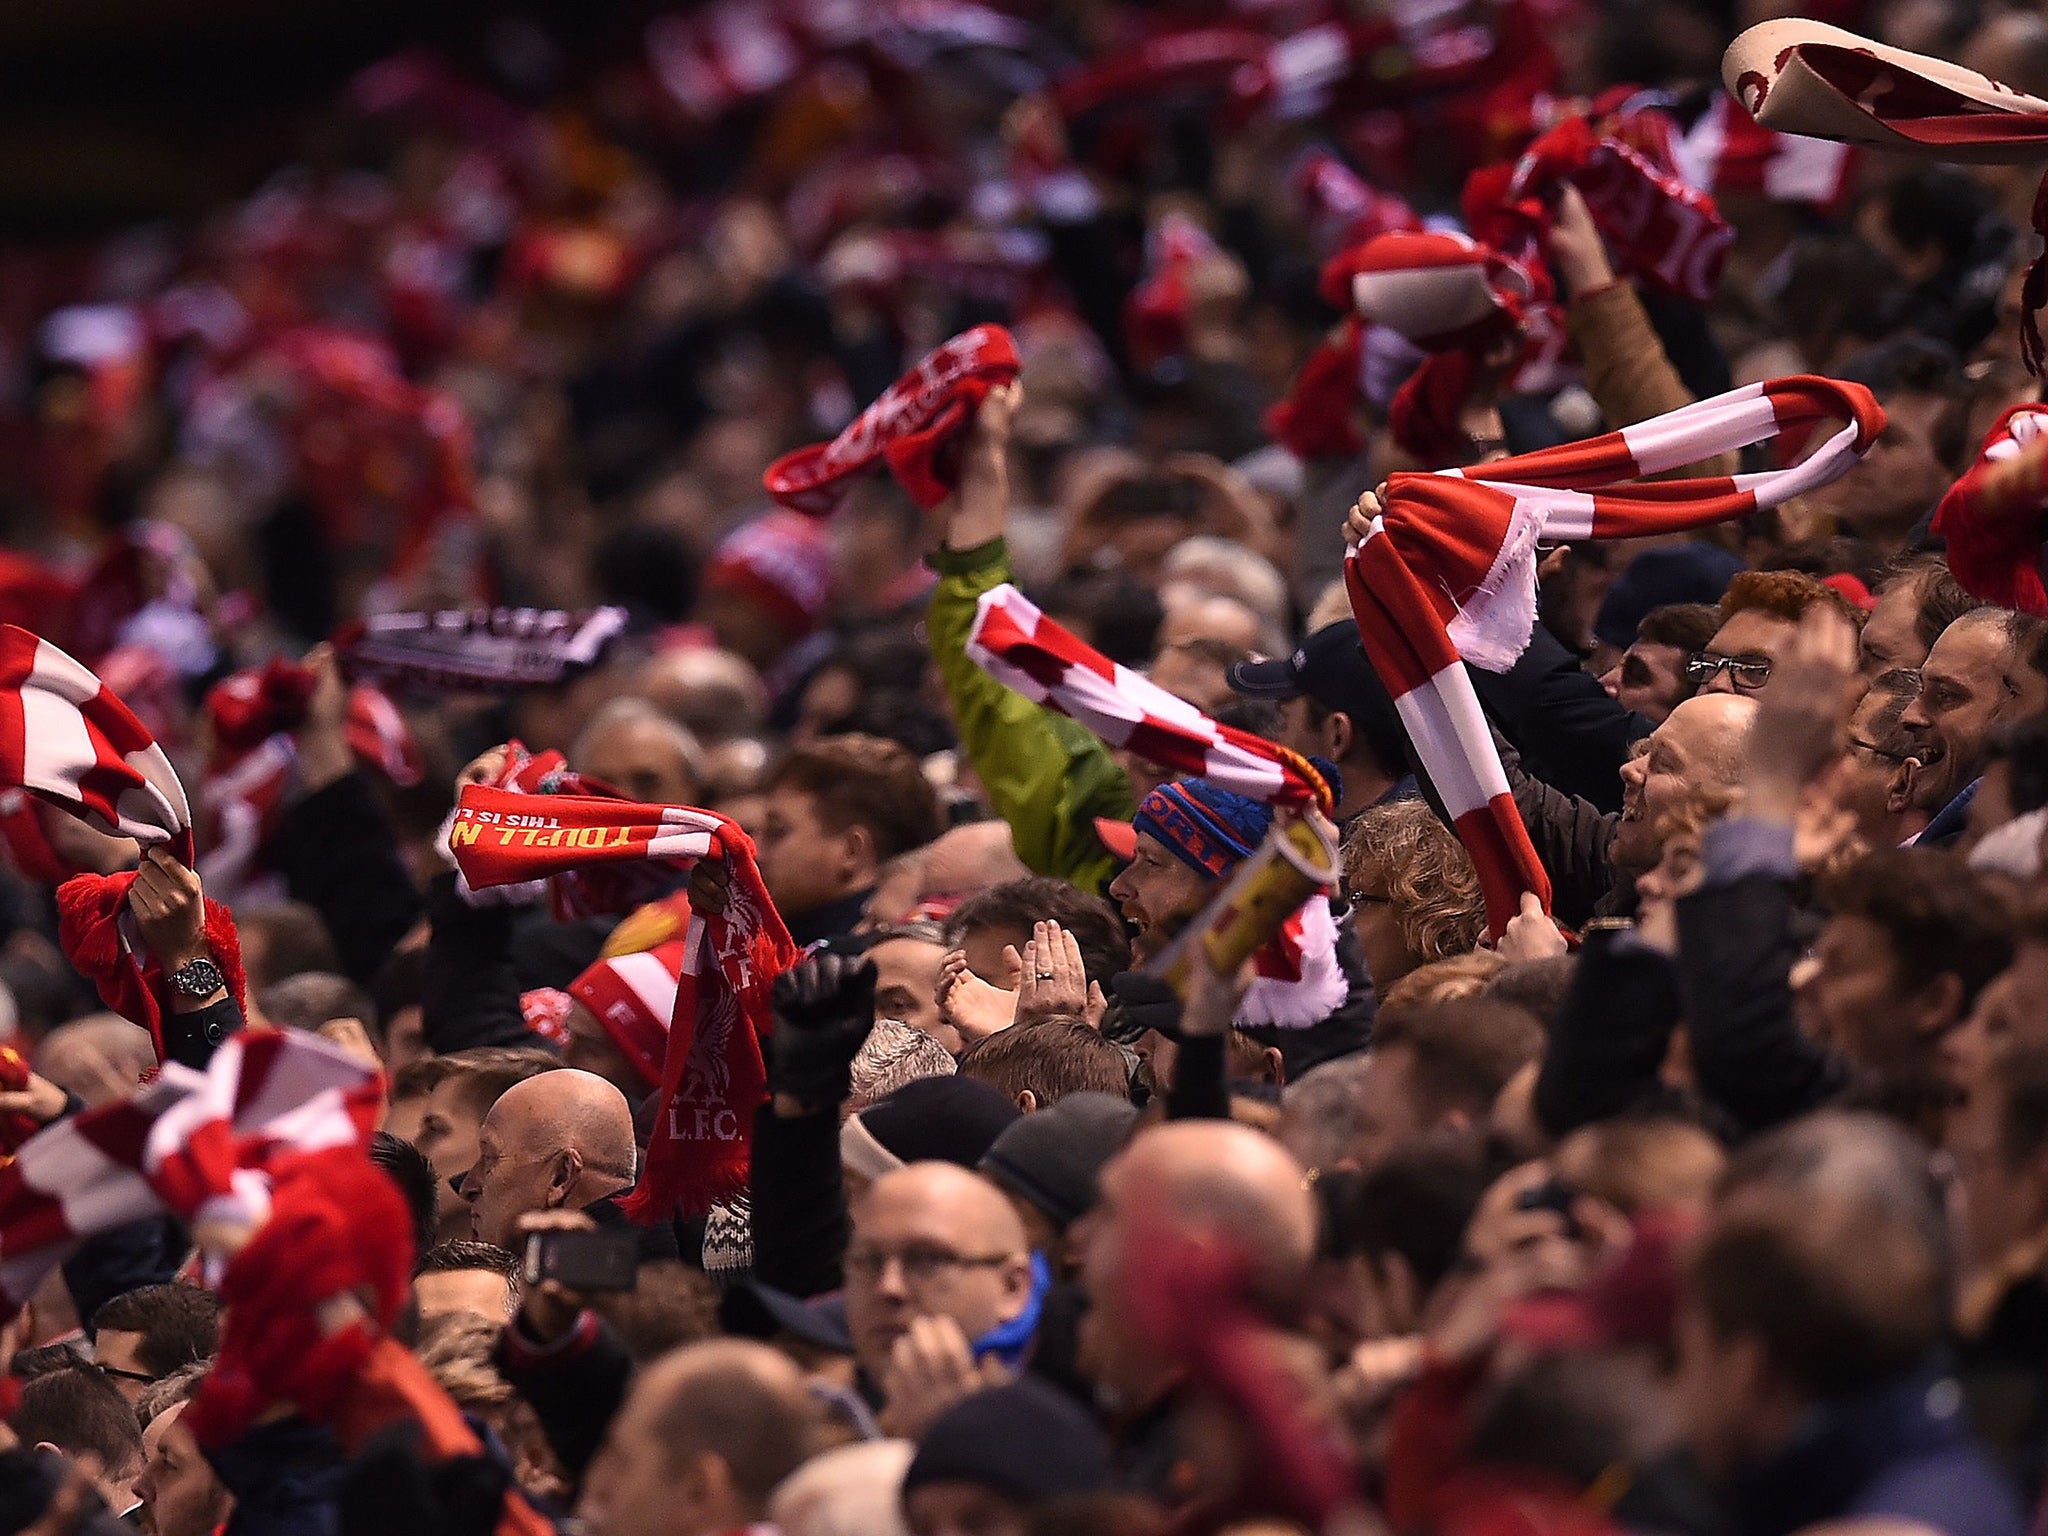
[[1046, 775]]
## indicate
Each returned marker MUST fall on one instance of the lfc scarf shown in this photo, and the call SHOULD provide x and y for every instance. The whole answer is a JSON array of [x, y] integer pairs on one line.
[[484, 650], [67, 740], [712, 1075], [587, 888], [915, 427], [1808, 78], [197, 1145], [1992, 517], [1297, 981], [1447, 574]]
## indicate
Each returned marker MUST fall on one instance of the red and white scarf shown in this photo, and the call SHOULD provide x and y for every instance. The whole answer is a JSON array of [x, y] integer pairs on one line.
[[1447, 574], [193, 1144], [593, 887], [483, 650], [1806, 77], [914, 427], [1455, 298], [1659, 230], [1298, 981], [1991, 517], [712, 1076], [67, 740]]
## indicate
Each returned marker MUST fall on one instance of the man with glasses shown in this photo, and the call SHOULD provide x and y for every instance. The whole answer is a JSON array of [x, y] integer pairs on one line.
[[143, 1335], [1759, 615], [1987, 668], [938, 1278], [1873, 780]]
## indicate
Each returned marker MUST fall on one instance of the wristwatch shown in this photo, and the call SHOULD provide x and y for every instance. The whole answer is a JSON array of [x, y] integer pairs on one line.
[[198, 978]]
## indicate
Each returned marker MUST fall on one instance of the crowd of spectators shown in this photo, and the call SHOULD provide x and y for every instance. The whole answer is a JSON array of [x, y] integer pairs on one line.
[[1711, 1199]]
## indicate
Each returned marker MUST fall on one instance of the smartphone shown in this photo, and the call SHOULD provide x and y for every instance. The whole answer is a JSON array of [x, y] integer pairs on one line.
[[604, 1260], [1552, 1195]]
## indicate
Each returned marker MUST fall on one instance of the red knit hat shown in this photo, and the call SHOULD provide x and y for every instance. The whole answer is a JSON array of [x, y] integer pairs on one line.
[[634, 998], [782, 560]]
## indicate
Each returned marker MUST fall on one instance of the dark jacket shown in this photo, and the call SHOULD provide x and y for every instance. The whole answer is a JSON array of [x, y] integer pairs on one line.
[[1608, 1040], [1738, 937], [2004, 1372], [799, 1220], [575, 1384], [1903, 1451], [1574, 840], [1569, 733], [470, 996], [29, 1479], [338, 854], [285, 1477]]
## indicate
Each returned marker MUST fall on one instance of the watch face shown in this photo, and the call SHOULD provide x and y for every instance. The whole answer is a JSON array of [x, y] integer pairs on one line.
[[198, 978]]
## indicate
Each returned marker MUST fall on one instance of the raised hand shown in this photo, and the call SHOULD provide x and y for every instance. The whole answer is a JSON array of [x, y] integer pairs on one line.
[[981, 507], [1802, 718], [974, 1008], [1054, 980], [170, 909], [824, 1008], [931, 1368]]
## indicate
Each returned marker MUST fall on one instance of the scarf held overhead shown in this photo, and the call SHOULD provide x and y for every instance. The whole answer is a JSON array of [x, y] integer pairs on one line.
[[70, 742], [712, 1075], [483, 650], [1447, 573], [197, 1145], [915, 427], [1297, 979], [1808, 78]]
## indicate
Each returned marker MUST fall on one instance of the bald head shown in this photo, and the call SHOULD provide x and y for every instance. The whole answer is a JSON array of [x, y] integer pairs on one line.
[[563, 1140], [1228, 1181], [1699, 746], [705, 1436], [577, 1110], [714, 693], [642, 753], [932, 1240], [969, 1206]]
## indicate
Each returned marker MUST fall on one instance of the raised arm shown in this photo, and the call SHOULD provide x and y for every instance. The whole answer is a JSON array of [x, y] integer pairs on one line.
[[1048, 777]]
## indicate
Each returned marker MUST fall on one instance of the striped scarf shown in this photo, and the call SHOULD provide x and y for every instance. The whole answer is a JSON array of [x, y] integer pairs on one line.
[[1804, 77], [67, 740], [1298, 981], [1447, 574], [712, 1074], [198, 1145]]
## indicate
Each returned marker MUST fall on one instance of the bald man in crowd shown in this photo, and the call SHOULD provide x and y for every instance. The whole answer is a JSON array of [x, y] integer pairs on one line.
[[641, 753], [1211, 1181], [938, 1274], [561, 1141], [705, 1436]]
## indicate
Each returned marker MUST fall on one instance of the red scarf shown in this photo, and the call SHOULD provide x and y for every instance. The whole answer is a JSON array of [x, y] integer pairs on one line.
[[712, 1076], [67, 740], [1659, 231], [1991, 517], [1448, 574], [915, 428], [1804, 77]]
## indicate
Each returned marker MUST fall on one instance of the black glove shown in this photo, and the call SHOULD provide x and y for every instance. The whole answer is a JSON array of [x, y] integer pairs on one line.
[[824, 1008], [1139, 1002]]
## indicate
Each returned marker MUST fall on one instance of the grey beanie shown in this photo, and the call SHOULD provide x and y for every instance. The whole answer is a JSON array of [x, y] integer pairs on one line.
[[1051, 1158]]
